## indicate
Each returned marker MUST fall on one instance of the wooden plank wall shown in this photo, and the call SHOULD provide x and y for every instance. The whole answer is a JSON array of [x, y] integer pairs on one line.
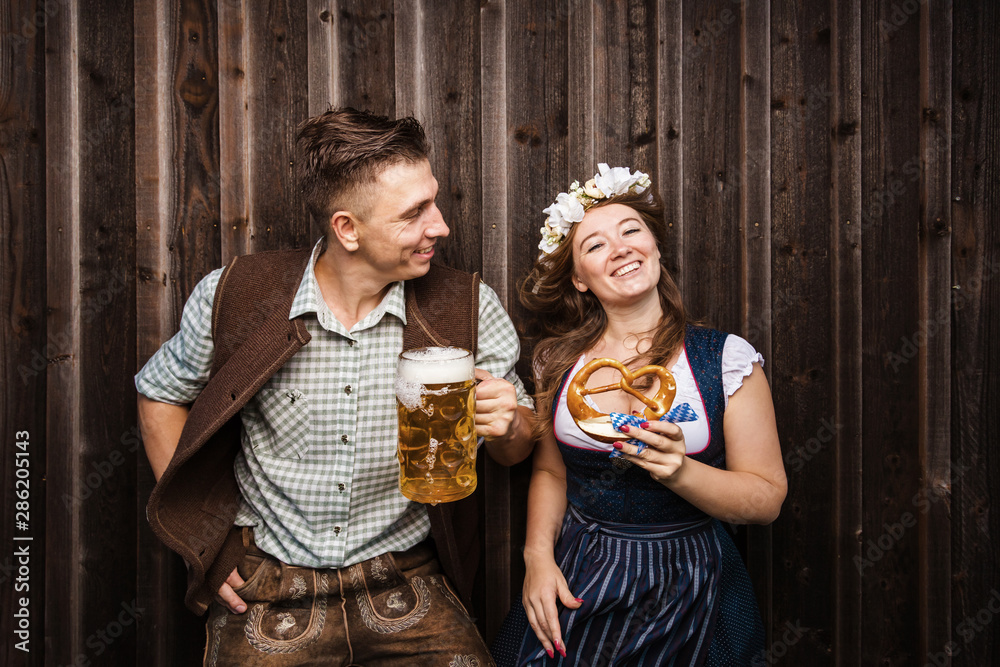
[[830, 170]]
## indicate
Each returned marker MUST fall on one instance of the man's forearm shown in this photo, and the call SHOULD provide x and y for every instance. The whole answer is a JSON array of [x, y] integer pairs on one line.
[[161, 425], [518, 443]]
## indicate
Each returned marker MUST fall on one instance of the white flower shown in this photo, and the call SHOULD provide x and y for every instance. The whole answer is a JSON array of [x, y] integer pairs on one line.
[[615, 181], [570, 207], [566, 209]]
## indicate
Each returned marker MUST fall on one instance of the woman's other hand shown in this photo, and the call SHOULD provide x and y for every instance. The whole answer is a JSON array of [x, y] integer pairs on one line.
[[544, 583], [664, 454]]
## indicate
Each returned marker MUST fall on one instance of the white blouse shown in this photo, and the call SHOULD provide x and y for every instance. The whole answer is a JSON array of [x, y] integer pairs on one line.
[[738, 357]]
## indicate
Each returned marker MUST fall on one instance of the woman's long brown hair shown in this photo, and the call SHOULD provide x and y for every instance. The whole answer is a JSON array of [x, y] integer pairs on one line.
[[563, 322]]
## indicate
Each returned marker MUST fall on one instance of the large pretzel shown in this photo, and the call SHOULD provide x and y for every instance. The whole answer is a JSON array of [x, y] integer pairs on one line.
[[597, 424]]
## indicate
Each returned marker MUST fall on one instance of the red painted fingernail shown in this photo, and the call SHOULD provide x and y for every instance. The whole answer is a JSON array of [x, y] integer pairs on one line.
[[579, 599], [549, 651], [562, 649], [644, 425], [617, 445], [623, 428]]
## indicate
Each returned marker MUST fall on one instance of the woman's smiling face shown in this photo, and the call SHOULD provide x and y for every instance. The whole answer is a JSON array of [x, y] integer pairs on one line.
[[615, 255]]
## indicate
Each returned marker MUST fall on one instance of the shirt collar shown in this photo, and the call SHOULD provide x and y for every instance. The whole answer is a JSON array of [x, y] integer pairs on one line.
[[309, 299]]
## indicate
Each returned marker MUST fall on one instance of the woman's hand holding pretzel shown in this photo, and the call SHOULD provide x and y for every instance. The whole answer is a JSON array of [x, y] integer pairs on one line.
[[664, 454]]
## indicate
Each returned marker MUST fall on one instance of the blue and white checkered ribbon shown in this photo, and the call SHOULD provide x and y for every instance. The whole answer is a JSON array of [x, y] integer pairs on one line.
[[680, 413]]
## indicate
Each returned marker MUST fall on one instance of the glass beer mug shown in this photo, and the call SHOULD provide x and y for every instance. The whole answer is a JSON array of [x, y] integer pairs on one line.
[[436, 403]]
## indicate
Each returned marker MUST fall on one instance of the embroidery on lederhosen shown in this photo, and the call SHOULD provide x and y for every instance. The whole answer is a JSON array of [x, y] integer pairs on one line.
[[287, 622], [439, 582], [298, 587], [379, 570], [216, 625], [375, 621], [262, 614], [465, 661], [395, 601]]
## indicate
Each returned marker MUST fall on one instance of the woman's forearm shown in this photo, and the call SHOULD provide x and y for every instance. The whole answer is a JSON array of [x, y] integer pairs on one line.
[[729, 495], [546, 508]]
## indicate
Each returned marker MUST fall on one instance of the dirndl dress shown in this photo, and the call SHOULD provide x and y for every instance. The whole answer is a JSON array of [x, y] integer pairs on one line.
[[662, 582]]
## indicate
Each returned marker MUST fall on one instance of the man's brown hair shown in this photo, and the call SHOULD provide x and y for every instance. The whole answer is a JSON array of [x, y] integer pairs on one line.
[[342, 151]]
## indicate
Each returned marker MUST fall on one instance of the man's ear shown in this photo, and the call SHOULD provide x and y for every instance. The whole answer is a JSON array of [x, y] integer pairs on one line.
[[344, 226]]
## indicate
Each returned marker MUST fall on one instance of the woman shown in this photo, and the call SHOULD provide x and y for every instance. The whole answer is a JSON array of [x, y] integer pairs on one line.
[[628, 564]]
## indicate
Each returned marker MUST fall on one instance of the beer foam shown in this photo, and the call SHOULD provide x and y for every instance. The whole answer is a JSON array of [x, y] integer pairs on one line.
[[435, 365]]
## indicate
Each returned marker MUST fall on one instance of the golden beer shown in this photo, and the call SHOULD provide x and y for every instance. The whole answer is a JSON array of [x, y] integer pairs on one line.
[[436, 404]]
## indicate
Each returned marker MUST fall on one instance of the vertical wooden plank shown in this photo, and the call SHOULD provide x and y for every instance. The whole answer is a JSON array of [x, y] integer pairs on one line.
[[580, 97], [178, 243], [501, 554], [845, 142], [624, 73], [711, 90], [277, 101], [234, 131], [934, 358], [610, 90], [975, 317], [669, 124], [99, 253], [755, 224], [322, 53], [64, 625], [365, 56], [23, 339], [802, 310], [890, 128]]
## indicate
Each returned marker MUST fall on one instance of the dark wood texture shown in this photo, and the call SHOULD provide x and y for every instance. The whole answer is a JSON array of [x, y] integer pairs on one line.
[[892, 476], [90, 563], [845, 334], [62, 573], [801, 371], [711, 120], [830, 175], [975, 325], [23, 330], [933, 271], [277, 100]]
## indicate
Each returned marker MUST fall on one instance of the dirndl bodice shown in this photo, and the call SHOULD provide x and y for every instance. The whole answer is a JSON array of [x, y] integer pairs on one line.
[[604, 492]]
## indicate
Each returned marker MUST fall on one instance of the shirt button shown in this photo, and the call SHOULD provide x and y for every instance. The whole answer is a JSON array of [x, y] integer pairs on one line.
[[336, 530], [350, 343], [340, 487], [343, 438], [347, 389]]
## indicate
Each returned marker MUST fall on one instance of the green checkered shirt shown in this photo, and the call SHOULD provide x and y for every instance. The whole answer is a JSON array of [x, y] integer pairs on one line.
[[318, 471]]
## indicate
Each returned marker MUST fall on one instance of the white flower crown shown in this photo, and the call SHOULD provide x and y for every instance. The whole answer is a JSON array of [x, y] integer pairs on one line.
[[569, 207]]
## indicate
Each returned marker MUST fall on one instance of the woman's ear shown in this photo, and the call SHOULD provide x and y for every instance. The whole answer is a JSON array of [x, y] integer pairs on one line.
[[579, 284]]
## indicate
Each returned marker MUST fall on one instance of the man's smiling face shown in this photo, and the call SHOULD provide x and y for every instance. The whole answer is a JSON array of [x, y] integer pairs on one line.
[[403, 224]]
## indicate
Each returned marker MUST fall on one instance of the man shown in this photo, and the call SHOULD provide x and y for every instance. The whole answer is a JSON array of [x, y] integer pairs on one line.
[[269, 421]]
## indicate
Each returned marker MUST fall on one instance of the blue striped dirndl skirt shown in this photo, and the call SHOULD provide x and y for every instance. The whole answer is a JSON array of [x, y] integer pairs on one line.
[[650, 594]]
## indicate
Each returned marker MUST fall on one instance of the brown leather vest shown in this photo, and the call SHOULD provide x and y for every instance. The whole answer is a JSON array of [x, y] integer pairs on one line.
[[194, 504]]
